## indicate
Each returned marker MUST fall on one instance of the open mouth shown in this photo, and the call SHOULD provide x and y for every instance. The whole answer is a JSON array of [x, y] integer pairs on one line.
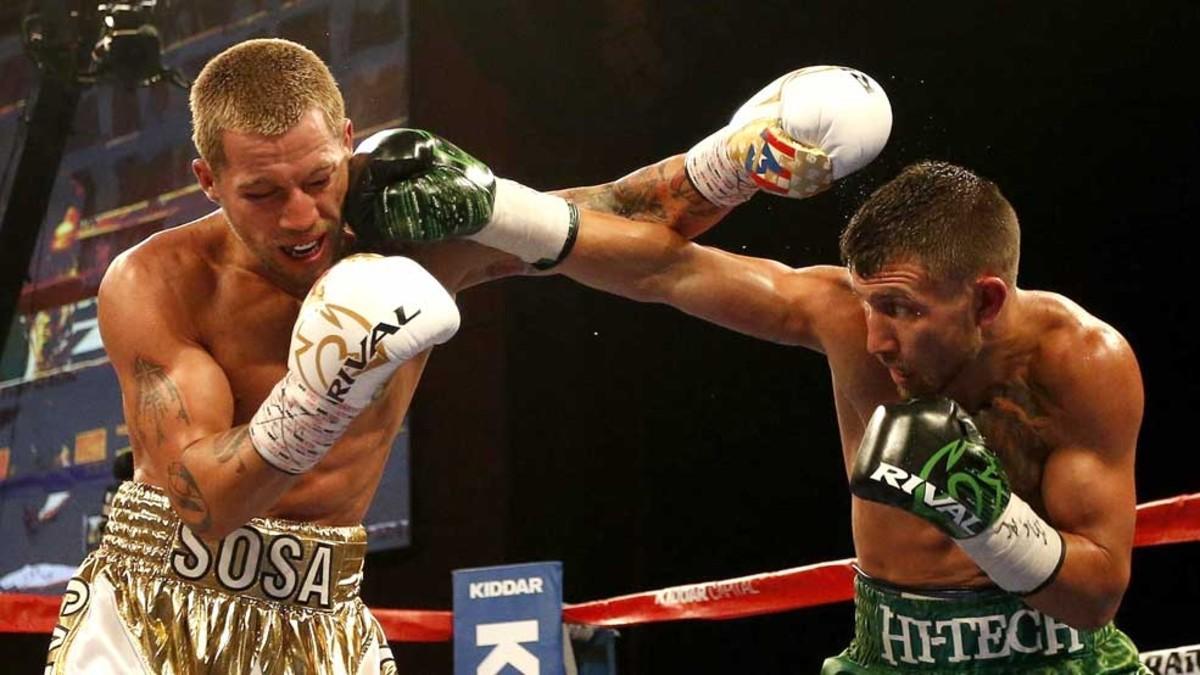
[[305, 251]]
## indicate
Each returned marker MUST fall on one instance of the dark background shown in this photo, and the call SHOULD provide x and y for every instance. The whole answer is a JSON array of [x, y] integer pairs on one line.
[[644, 448]]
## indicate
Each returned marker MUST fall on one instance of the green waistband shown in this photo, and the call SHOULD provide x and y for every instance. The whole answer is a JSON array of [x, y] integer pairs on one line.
[[960, 630]]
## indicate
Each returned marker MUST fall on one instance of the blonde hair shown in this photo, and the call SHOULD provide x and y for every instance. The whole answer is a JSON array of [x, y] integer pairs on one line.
[[262, 87]]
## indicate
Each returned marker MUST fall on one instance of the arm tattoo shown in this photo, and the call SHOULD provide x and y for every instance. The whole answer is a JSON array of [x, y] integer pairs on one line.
[[681, 190], [189, 503], [642, 197], [661, 193], [158, 398], [226, 445]]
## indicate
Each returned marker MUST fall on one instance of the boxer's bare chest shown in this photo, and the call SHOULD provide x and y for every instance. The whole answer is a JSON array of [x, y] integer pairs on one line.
[[246, 327], [1017, 419], [1018, 422]]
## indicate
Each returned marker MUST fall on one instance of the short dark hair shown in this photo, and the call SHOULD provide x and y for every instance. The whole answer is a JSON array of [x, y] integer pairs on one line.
[[940, 215]]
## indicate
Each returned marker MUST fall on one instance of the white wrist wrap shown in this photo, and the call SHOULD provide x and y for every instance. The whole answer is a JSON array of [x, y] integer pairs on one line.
[[715, 174], [537, 228], [1021, 552], [364, 317], [294, 428]]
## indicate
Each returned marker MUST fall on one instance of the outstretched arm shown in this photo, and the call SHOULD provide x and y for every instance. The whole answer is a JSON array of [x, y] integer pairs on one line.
[[649, 263], [660, 193], [793, 138]]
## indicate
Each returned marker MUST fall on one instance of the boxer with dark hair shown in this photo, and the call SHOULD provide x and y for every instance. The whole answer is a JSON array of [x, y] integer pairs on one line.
[[988, 431]]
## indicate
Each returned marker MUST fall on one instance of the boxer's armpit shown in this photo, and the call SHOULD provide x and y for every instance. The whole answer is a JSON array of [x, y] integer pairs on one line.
[[158, 400], [187, 498]]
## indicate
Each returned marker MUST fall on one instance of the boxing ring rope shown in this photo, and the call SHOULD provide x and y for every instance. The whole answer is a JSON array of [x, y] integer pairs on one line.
[[1166, 521]]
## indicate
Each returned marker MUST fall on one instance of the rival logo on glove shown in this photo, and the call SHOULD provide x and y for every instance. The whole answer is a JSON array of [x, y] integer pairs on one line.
[[946, 504], [337, 377]]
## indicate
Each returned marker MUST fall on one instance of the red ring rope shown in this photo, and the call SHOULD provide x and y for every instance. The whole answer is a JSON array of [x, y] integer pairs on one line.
[[1167, 521]]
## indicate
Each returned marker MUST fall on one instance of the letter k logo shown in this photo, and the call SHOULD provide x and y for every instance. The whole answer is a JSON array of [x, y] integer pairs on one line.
[[507, 638]]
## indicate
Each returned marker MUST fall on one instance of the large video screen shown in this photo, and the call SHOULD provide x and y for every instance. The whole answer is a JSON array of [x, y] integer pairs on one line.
[[126, 175]]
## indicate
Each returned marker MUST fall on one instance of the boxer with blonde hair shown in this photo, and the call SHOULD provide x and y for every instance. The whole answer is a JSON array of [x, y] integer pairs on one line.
[[266, 362]]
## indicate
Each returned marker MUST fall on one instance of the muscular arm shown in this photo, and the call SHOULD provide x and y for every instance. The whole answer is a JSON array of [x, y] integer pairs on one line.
[[179, 406], [1088, 484], [653, 202], [758, 297], [647, 262], [633, 241], [660, 193]]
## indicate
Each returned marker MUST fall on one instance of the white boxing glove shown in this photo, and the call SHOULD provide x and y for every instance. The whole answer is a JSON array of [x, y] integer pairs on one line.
[[795, 137], [362, 319]]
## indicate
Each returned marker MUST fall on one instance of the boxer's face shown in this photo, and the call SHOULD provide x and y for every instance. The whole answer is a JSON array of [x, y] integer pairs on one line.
[[921, 328], [282, 195]]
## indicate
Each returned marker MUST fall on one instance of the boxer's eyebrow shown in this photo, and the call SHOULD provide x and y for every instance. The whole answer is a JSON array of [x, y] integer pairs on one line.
[[327, 166], [888, 293], [893, 294], [263, 181], [257, 182]]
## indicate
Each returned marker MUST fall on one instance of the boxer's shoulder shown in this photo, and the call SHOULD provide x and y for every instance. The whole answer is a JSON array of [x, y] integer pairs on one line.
[[829, 302], [174, 254], [163, 276], [1068, 333], [1082, 363], [823, 286]]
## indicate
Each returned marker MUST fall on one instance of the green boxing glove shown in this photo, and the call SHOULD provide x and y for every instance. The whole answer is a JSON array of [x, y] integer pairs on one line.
[[928, 458], [416, 186]]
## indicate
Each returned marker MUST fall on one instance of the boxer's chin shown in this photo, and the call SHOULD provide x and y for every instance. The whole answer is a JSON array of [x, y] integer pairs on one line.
[[294, 278], [912, 386]]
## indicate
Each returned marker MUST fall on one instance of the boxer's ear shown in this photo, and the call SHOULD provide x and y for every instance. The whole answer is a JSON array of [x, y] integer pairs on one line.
[[348, 135], [990, 295], [206, 178]]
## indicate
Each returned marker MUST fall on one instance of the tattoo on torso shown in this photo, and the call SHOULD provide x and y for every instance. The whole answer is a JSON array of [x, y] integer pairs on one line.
[[1017, 425]]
